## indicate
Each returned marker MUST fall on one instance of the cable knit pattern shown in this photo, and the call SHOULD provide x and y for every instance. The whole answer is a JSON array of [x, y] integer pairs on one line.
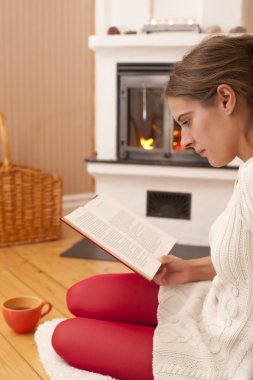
[[205, 329]]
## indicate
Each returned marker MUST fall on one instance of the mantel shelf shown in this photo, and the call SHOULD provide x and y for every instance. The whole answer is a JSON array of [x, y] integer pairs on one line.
[[116, 169], [173, 39]]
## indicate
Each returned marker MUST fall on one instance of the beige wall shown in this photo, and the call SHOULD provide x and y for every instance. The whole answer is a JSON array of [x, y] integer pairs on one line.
[[46, 84], [247, 13]]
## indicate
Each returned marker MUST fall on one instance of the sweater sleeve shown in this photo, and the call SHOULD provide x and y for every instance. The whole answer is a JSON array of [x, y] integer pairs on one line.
[[246, 193]]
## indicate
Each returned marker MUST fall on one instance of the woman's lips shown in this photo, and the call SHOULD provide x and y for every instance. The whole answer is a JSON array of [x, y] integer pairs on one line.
[[201, 152]]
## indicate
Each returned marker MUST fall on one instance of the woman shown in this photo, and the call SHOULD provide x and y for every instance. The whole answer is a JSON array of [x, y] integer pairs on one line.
[[205, 328]]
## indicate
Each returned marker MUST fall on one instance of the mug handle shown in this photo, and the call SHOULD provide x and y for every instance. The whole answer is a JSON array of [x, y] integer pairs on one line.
[[48, 309]]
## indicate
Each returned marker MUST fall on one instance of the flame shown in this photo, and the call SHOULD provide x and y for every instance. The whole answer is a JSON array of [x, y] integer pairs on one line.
[[147, 143], [176, 143], [156, 129]]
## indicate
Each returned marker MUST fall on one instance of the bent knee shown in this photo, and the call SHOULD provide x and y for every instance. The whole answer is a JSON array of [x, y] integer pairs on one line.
[[59, 338], [80, 294]]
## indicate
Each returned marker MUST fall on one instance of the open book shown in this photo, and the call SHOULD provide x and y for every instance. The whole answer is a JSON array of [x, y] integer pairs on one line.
[[125, 235]]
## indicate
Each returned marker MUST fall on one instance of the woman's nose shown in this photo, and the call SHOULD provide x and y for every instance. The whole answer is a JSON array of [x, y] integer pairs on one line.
[[186, 139]]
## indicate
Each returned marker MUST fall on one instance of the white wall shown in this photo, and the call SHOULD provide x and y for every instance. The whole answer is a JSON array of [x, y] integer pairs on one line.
[[225, 13], [133, 14], [179, 10]]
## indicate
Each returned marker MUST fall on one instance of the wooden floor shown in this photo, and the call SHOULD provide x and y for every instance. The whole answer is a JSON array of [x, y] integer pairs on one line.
[[39, 270]]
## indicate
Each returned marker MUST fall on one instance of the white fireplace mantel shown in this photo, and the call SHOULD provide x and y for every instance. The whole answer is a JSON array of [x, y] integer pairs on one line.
[[153, 40], [163, 171], [210, 188]]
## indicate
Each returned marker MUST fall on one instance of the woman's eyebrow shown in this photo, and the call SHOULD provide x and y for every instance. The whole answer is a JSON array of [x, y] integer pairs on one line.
[[183, 115]]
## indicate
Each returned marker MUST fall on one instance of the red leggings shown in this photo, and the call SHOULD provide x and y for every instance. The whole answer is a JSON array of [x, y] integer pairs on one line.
[[113, 332]]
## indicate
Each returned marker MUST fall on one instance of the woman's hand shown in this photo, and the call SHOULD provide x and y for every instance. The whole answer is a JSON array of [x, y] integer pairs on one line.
[[174, 270]]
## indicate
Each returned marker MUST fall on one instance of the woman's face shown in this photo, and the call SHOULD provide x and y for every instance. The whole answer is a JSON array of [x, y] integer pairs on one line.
[[208, 130]]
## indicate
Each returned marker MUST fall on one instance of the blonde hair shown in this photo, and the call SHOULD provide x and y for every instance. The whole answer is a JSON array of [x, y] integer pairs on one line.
[[216, 60]]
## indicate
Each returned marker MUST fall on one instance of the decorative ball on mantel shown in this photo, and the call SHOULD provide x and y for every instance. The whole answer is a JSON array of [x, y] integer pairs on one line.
[[212, 29], [113, 30], [238, 29]]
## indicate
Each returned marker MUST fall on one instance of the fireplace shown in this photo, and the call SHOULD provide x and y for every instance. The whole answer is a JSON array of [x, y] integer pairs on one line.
[[146, 130], [171, 187]]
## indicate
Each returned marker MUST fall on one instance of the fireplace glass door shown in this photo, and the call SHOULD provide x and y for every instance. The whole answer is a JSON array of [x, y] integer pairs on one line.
[[145, 119], [146, 129]]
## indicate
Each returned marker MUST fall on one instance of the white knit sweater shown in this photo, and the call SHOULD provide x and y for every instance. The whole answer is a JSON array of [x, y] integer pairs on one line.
[[205, 329]]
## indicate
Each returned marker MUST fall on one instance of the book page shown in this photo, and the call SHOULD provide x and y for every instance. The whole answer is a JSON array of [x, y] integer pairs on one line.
[[121, 232]]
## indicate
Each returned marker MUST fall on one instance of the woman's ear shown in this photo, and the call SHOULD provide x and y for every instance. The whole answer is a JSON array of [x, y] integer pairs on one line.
[[226, 98]]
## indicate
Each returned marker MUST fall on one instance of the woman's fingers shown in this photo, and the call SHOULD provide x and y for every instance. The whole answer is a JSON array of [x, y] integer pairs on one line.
[[166, 259], [159, 277]]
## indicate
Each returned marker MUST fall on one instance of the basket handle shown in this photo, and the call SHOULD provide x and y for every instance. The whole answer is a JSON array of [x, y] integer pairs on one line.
[[5, 140]]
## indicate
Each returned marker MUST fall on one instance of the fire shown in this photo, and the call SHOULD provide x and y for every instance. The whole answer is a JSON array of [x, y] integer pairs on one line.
[[156, 129], [147, 143], [176, 140]]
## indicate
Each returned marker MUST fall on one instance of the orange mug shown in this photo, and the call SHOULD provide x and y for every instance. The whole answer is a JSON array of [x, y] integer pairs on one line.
[[23, 313]]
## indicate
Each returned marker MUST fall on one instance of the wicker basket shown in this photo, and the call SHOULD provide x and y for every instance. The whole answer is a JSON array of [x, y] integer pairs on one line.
[[30, 201]]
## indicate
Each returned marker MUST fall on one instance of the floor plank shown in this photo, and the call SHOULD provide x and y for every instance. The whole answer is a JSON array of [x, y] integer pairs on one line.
[[51, 263], [46, 287], [13, 366]]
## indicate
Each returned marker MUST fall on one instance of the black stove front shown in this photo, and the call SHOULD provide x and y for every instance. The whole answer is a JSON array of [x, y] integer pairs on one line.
[[146, 130]]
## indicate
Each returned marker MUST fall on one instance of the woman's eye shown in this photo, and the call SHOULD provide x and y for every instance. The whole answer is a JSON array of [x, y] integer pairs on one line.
[[186, 123]]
